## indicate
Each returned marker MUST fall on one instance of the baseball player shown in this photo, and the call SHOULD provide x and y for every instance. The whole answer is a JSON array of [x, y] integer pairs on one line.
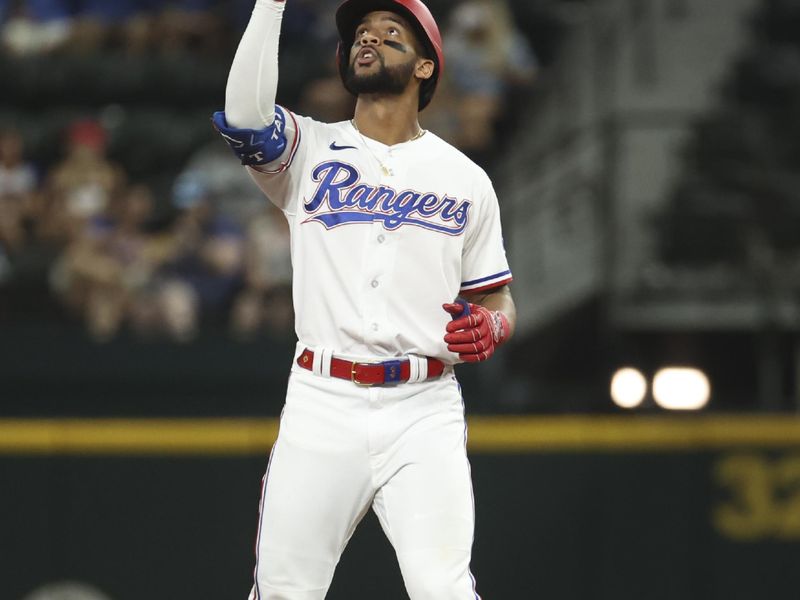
[[399, 273]]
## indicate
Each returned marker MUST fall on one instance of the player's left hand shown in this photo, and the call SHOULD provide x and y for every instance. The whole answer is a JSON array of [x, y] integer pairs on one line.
[[475, 331]]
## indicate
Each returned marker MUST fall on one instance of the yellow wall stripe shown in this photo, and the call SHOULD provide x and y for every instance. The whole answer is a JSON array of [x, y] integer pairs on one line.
[[634, 433], [506, 434]]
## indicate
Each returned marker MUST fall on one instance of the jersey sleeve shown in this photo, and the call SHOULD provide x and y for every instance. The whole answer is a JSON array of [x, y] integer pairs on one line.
[[484, 265], [280, 180]]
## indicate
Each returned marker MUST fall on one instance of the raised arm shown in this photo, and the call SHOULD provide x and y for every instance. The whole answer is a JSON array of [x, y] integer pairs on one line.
[[253, 79], [256, 129]]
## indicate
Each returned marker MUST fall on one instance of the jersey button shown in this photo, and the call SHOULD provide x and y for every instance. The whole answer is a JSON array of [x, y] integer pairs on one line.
[[375, 283], [375, 327], [381, 238]]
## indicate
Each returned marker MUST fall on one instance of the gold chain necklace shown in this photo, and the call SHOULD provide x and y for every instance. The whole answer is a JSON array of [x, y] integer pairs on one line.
[[386, 170]]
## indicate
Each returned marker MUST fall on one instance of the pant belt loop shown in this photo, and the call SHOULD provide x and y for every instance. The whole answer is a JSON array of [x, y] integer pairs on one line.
[[316, 366], [325, 367], [418, 368]]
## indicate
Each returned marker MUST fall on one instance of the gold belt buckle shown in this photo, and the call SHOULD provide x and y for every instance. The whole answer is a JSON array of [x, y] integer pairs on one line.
[[353, 377]]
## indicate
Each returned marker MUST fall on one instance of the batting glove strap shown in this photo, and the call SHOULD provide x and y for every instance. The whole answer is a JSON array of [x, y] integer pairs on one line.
[[475, 335]]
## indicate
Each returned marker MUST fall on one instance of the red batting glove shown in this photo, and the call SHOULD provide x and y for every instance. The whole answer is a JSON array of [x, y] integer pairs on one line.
[[475, 331]]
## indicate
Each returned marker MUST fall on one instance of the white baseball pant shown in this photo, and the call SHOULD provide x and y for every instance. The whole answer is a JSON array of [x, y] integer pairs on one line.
[[343, 448]]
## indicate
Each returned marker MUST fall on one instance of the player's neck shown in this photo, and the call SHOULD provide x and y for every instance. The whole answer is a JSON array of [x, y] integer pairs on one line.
[[386, 121]]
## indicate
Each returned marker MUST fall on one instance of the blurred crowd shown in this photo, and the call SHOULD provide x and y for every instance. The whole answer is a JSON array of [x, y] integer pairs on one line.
[[123, 255], [114, 261], [85, 26]]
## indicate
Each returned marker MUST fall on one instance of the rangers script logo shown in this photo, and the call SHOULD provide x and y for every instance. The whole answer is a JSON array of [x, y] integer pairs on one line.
[[348, 201]]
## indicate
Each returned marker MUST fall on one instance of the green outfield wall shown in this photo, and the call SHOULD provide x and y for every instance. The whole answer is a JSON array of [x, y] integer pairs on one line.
[[606, 508]]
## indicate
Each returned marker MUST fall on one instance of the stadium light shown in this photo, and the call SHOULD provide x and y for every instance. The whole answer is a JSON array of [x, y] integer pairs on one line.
[[681, 388], [628, 388]]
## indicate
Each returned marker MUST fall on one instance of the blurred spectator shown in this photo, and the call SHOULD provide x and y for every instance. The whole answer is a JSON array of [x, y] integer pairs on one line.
[[133, 27], [266, 302], [35, 26], [95, 22], [203, 269], [101, 273], [81, 186], [185, 25], [17, 189], [227, 182], [487, 56]]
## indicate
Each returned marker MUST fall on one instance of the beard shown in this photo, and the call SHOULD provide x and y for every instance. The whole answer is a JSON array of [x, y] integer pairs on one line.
[[387, 80]]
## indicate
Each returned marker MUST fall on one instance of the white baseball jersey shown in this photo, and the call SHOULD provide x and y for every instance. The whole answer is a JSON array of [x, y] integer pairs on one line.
[[382, 236]]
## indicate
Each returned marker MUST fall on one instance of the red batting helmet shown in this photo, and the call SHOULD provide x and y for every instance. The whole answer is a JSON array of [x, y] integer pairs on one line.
[[350, 13]]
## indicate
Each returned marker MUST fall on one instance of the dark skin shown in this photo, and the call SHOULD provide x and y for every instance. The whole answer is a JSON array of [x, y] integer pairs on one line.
[[389, 118]]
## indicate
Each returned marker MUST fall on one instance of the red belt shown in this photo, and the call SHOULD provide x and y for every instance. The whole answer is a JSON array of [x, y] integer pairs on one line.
[[368, 374]]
